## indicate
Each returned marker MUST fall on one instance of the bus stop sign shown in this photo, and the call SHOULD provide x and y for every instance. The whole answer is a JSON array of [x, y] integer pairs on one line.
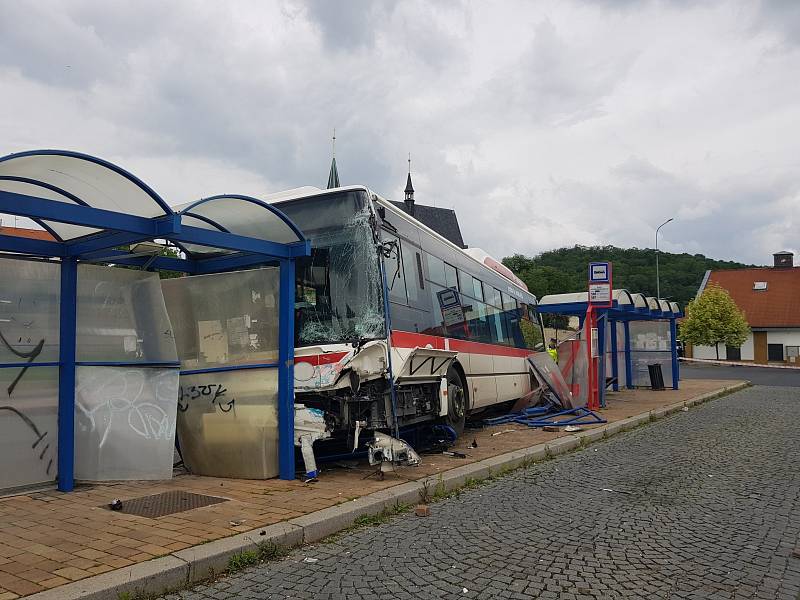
[[600, 284]]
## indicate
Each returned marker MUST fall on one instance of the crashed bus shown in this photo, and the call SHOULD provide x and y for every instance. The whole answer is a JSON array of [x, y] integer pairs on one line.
[[397, 326]]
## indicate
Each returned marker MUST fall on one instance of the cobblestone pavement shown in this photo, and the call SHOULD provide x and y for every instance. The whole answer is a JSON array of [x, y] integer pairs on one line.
[[705, 504]]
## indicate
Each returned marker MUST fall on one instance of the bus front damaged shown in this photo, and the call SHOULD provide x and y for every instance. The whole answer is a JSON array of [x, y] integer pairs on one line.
[[345, 367]]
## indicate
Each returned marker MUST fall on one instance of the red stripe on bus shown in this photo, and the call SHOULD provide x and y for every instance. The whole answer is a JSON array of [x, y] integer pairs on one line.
[[321, 359], [406, 339]]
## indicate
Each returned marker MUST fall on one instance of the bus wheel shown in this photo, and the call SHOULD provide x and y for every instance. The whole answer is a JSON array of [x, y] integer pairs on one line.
[[457, 401]]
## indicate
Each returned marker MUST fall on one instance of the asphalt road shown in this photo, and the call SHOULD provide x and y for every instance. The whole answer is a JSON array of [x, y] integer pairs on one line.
[[757, 375], [704, 504]]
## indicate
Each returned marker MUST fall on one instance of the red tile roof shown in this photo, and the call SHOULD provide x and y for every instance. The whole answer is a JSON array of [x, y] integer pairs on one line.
[[777, 306], [36, 234]]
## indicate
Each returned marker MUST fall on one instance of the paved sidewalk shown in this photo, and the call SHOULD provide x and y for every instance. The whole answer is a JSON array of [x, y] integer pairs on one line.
[[702, 505], [49, 539]]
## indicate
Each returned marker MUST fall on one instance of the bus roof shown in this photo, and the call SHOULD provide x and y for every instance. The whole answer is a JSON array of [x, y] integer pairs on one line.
[[311, 191]]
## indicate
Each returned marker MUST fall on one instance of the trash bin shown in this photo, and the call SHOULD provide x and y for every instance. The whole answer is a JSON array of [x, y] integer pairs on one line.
[[656, 377]]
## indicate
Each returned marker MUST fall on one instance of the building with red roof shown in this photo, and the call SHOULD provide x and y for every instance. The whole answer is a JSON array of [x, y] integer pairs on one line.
[[770, 300], [36, 234]]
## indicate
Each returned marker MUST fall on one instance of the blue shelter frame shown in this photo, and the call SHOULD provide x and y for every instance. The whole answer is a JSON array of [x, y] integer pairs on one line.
[[625, 308], [91, 207]]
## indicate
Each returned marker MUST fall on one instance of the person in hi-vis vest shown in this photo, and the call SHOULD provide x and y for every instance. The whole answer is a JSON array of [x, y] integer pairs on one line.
[[552, 350]]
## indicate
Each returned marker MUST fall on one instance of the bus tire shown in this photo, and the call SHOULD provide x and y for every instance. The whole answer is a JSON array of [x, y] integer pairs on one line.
[[456, 399]]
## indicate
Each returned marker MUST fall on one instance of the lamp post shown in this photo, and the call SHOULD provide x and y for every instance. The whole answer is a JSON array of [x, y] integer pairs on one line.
[[658, 284]]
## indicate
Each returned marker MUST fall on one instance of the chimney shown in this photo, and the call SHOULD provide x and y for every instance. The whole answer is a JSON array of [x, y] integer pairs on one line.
[[783, 260]]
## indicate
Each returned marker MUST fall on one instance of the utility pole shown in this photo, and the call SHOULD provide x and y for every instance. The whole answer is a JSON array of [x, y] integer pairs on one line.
[[658, 283]]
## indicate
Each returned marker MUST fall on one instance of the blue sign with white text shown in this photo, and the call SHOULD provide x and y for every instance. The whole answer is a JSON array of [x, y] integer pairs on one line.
[[599, 272]]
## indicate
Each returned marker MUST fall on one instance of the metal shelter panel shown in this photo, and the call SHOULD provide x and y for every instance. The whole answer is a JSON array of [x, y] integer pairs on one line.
[[95, 211]]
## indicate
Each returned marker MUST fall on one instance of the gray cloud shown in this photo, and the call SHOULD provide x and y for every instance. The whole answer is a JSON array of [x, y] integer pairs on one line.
[[542, 124]]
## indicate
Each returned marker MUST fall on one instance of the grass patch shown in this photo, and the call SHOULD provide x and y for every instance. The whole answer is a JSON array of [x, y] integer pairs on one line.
[[263, 552], [382, 517]]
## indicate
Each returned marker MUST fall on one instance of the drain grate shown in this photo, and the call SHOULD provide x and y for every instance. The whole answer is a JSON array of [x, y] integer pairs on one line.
[[168, 503]]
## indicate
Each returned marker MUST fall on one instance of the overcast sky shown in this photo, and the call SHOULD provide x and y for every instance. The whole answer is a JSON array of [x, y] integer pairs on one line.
[[544, 124]]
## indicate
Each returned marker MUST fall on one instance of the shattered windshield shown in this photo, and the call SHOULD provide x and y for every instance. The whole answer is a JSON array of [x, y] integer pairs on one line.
[[338, 292]]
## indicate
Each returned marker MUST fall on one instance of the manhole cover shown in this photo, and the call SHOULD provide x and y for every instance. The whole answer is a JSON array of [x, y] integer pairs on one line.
[[168, 503]]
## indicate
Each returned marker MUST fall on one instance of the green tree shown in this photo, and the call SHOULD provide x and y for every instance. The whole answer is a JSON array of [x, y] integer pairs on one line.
[[712, 319], [564, 270]]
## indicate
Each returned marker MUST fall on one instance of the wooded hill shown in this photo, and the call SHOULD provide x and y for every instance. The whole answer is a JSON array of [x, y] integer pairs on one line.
[[564, 270]]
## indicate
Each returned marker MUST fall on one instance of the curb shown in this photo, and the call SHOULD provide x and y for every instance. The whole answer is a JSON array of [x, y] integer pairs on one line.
[[725, 363], [192, 565]]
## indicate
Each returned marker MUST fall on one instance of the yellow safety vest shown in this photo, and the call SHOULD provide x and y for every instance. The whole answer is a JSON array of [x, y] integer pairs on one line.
[[553, 354]]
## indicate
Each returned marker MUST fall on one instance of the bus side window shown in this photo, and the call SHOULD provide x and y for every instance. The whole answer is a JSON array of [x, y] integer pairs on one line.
[[477, 289], [412, 287], [395, 280], [531, 328], [450, 276], [419, 272], [436, 270]]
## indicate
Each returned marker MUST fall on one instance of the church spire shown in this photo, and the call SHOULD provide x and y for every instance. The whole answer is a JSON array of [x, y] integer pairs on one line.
[[333, 176], [409, 191]]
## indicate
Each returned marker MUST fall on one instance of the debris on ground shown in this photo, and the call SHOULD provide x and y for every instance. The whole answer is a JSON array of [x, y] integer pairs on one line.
[[308, 559], [614, 491], [422, 510], [504, 431], [454, 454], [572, 428], [116, 504], [474, 443]]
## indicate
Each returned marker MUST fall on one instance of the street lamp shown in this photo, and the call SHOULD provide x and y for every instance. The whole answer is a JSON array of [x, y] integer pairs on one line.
[[658, 285]]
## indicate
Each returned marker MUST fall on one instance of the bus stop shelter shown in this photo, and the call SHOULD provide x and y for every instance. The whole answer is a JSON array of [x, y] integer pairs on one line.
[[636, 330], [100, 213]]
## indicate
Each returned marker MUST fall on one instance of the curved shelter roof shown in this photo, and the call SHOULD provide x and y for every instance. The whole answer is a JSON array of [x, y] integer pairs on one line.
[[242, 215], [624, 303], [92, 206], [78, 179]]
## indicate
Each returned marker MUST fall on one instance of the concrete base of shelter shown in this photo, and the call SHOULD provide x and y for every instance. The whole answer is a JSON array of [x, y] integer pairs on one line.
[[65, 546]]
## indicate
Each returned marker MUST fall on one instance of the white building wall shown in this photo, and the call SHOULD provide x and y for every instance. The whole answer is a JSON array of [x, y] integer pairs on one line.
[[708, 352], [786, 337], [748, 353]]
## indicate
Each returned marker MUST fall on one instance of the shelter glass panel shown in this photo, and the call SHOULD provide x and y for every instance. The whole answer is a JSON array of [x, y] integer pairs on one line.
[[650, 344], [28, 426], [228, 425], [125, 422], [29, 311], [122, 317], [225, 318]]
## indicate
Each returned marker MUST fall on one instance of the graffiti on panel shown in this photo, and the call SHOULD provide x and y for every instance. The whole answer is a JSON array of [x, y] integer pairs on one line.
[[39, 444], [39, 437], [214, 393], [110, 398], [31, 356]]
